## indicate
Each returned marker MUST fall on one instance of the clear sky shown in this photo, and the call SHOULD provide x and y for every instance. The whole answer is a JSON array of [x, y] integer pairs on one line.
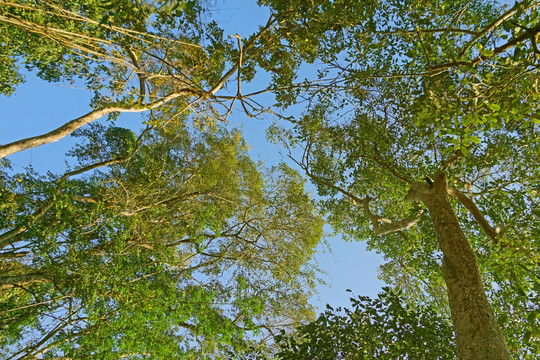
[[38, 107]]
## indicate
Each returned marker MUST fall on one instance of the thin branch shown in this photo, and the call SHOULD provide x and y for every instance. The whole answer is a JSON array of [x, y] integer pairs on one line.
[[428, 31], [452, 159], [385, 165], [389, 225], [140, 75], [35, 304], [9, 281], [531, 33], [233, 69], [5, 237], [508, 14], [66, 14], [327, 183], [423, 47]]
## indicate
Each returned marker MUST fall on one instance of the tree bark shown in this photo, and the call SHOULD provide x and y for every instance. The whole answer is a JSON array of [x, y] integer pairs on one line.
[[70, 126], [478, 335]]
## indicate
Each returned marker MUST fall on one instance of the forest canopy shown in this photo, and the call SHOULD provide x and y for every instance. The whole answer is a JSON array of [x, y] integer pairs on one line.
[[415, 121]]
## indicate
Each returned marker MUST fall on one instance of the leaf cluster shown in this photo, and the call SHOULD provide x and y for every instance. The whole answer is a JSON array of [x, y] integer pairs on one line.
[[381, 328]]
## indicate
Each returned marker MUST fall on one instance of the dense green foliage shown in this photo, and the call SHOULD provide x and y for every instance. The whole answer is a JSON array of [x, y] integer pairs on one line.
[[100, 43], [381, 328], [179, 233], [413, 89], [182, 251]]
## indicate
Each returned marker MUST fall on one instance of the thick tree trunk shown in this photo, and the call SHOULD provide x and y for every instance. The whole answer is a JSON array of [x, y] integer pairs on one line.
[[478, 335]]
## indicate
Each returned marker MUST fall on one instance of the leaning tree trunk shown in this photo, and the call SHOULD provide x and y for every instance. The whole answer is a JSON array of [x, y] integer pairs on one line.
[[478, 335]]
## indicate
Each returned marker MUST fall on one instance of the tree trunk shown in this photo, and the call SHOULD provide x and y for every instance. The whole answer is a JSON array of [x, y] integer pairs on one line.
[[478, 335]]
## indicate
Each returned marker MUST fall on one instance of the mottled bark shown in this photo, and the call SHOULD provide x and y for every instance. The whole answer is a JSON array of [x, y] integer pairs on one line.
[[70, 126], [478, 335]]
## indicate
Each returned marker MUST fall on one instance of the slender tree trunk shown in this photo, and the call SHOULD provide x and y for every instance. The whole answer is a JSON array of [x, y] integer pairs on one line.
[[478, 335]]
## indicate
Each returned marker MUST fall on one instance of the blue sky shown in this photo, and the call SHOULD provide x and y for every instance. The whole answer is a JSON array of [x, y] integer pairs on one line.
[[38, 107]]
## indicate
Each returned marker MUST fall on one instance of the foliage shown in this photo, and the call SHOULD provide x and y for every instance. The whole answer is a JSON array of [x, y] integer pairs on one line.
[[404, 90], [409, 90], [381, 328], [98, 41], [185, 249]]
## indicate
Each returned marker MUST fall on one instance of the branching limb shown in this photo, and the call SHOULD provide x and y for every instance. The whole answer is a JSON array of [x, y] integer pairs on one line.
[[530, 34], [73, 125], [305, 166], [140, 75], [449, 162], [9, 281], [492, 26], [69, 127], [376, 157], [423, 47], [238, 80], [5, 238], [382, 226], [234, 68]]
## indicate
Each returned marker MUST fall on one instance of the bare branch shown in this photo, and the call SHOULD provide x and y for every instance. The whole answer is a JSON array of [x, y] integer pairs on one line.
[[73, 125]]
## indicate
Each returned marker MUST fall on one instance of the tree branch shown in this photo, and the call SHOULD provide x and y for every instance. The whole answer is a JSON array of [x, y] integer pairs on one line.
[[5, 237], [140, 74], [449, 162], [531, 33], [476, 213], [389, 226], [508, 14], [385, 165], [9, 281], [73, 125]]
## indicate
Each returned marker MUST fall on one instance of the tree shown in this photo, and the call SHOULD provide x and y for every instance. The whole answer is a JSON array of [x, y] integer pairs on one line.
[[423, 82], [381, 328], [171, 234], [135, 55], [411, 131], [183, 248]]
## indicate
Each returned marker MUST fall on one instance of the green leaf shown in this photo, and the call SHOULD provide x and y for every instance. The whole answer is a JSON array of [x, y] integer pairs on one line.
[[487, 52], [494, 107]]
